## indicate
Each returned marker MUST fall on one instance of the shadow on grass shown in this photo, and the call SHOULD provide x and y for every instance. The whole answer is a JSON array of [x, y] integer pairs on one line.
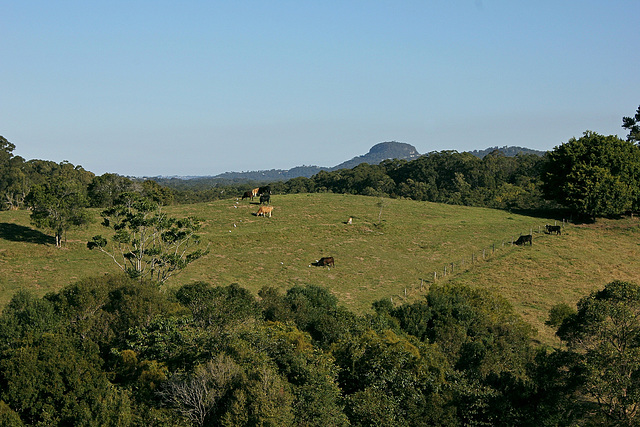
[[19, 233]]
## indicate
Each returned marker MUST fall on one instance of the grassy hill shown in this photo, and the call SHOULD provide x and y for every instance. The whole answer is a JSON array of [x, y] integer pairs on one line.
[[391, 250]]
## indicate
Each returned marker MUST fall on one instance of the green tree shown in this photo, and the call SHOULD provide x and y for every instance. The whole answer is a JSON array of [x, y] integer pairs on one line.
[[595, 175], [60, 203], [13, 187], [393, 379], [55, 380], [159, 194], [147, 243], [604, 338], [632, 124], [105, 189]]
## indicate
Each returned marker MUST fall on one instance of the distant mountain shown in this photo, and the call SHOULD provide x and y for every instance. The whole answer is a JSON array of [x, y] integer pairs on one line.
[[377, 154], [272, 174], [507, 151], [381, 152]]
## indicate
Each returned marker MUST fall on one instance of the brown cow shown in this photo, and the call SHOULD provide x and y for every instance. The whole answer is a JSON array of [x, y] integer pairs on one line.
[[327, 260], [247, 195], [264, 211]]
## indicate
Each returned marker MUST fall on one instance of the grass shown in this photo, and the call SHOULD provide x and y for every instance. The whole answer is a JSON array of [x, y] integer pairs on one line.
[[391, 252]]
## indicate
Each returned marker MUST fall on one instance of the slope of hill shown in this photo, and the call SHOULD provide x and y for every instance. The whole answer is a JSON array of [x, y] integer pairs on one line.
[[391, 250]]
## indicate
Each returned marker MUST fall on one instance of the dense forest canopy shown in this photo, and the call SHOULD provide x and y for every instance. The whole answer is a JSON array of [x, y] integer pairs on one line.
[[114, 351]]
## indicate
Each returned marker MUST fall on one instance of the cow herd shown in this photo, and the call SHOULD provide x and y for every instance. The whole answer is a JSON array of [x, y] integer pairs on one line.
[[262, 192], [265, 198], [265, 211], [528, 238]]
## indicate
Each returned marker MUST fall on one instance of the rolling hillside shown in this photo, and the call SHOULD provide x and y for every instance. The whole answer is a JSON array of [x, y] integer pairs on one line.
[[392, 247]]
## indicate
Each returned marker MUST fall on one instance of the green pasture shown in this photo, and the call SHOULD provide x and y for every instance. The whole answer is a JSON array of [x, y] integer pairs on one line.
[[391, 250]]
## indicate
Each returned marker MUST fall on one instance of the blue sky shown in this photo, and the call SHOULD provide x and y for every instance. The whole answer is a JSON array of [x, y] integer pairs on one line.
[[145, 88]]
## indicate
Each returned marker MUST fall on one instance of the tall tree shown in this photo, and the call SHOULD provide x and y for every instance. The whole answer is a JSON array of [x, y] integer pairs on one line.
[[594, 175], [105, 189], [12, 179], [632, 124], [604, 338], [59, 203], [147, 243]]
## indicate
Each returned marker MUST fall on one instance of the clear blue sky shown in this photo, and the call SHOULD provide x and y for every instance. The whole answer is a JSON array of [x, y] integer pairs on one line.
[[204, 87]]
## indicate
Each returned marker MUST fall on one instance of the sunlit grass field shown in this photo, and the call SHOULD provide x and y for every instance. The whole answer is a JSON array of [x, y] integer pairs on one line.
[[391, 250]]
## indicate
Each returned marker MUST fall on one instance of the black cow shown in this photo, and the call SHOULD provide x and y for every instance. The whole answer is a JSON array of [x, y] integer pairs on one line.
[[522, 240], [328, 261], [553, 229], [247, 195], [264, 190], [265, 198]]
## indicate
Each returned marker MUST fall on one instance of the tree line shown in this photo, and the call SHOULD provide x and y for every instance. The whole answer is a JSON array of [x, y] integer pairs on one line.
[[114, 351]]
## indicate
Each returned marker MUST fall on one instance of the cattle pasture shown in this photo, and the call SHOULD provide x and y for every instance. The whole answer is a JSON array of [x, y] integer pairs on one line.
[[379, 255]]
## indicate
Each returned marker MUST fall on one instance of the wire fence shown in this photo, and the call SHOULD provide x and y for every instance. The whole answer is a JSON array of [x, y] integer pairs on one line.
[[467, 262]]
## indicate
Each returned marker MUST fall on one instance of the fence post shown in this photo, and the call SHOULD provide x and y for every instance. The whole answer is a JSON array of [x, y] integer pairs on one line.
[[483, 254], [421, 283], [452, 267]]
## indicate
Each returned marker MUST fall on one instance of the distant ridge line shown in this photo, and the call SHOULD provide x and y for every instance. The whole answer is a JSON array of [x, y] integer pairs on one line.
[[377, 154]]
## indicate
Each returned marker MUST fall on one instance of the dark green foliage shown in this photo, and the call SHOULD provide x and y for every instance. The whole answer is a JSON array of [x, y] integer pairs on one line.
[[13, 181], [55, 379], [9, 417], [604, 340], [558, 313], [632, 124], [103, 309], [406, 376], [217, 307], [59, 203], [112, 350], [27, 317], [313, 309], [151, 190], [478, 331], [594, 175], [312, 375], [485, 341], [104, 190]]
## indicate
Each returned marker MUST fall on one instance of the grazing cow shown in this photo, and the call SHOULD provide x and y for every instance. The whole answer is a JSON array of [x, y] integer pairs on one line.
[[264, 190], [350, 221], [265, 198], [247, 195], [327, 260], [264, 211], [553, 229], [522, 240]]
